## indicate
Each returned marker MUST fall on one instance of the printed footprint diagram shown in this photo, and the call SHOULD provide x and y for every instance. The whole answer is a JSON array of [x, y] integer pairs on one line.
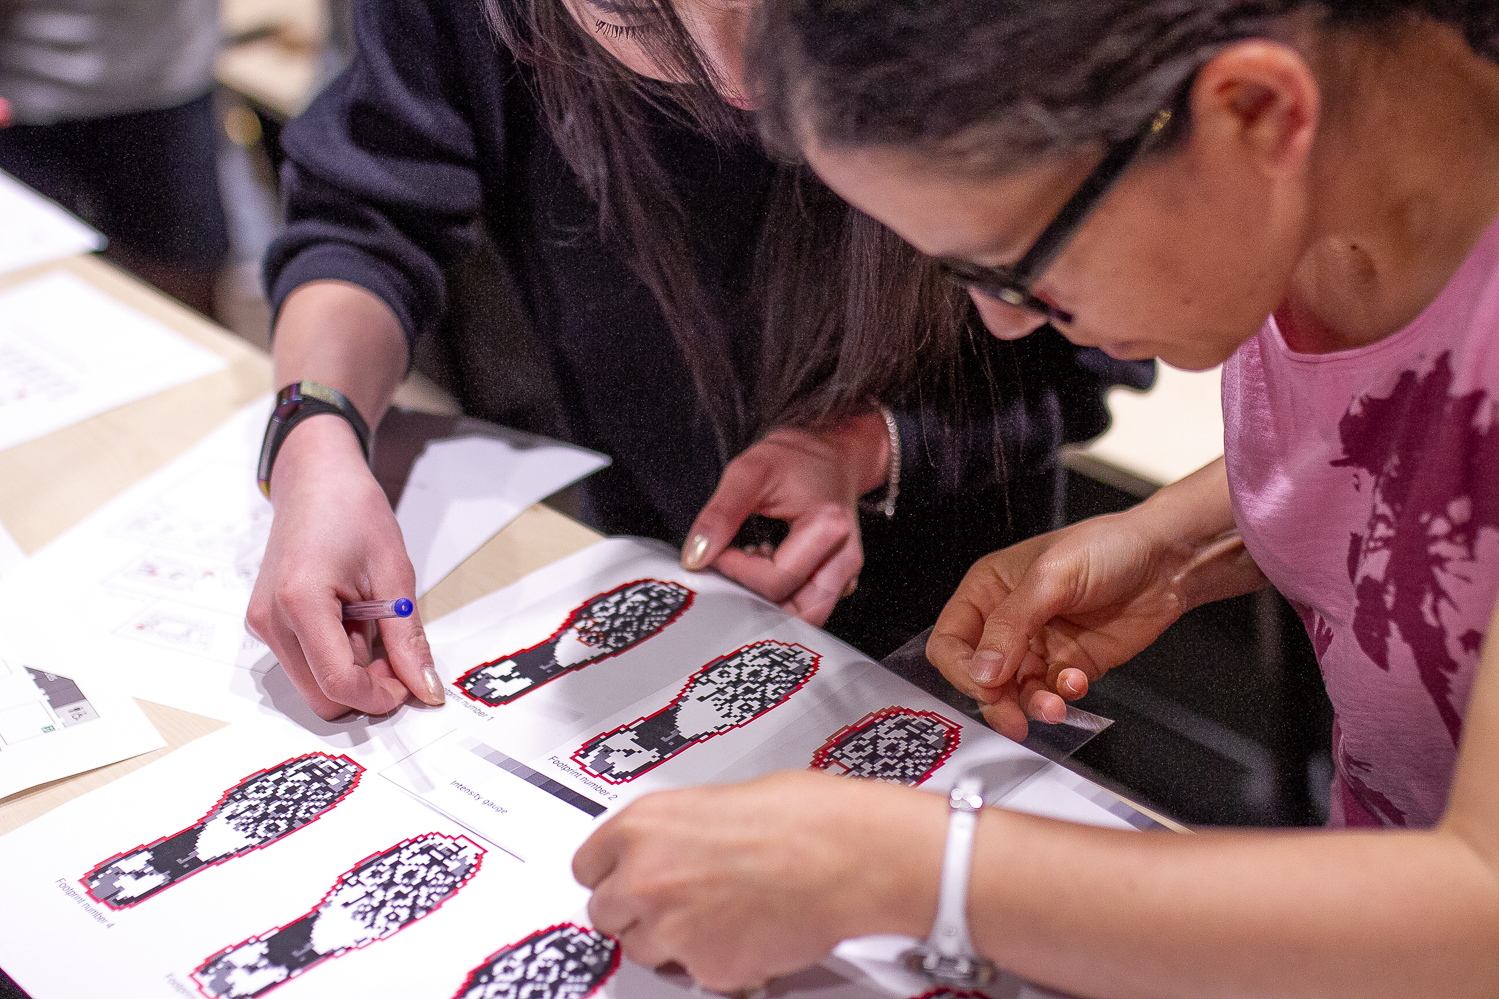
[[560, 962], [895, 744], [604, 626], [382, 895], [252, 814], [730, 691]]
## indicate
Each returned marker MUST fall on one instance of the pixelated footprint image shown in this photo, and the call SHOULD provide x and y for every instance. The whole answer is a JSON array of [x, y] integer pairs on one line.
[[605, 626], [895, 744], [731, 691], [560, 962], [254, 813], [382, 895]]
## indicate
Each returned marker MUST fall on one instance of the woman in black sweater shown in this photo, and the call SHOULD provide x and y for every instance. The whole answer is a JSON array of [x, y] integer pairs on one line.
[[732, 335]]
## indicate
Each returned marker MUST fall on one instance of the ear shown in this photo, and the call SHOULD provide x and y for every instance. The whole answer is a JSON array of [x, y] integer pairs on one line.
[[1261, 99]]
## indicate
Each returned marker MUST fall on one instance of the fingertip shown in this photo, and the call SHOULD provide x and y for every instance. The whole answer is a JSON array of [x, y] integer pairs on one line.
[[431, 693], [1002, 648], [1072, 684], [582, 870], [985, 666], [1006, 718], [947, 652], [1047, 707], [695, 552], [589, 864], [812, 605]]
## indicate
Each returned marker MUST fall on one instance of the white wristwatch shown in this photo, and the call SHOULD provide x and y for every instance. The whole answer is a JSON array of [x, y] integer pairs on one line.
[[948, 955]]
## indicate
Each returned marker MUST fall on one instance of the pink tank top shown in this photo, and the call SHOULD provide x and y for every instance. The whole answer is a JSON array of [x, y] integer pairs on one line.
[[1366, 486]]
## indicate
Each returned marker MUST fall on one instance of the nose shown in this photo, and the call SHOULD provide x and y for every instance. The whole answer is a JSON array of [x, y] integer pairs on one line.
[[1006, 321]]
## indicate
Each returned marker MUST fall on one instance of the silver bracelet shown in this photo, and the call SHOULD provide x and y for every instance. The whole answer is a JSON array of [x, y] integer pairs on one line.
[[886, 505], [948, 955]]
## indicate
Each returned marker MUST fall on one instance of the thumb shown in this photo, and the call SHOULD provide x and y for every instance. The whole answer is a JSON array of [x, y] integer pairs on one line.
[[411, 657], [737, 496], [405, 639], [1044, 592]]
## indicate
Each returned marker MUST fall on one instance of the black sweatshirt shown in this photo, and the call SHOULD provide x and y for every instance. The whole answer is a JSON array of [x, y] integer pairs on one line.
[[432, 133]]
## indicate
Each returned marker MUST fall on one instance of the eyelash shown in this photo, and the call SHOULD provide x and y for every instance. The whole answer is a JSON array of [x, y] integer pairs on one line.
[[616, 30]]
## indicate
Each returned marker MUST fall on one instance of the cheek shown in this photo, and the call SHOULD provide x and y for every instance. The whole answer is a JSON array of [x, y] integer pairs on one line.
[[1189, 289], [632, 56]]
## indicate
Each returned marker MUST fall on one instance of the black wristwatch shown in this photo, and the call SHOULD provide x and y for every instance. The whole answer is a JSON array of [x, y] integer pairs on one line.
[[295, 403]]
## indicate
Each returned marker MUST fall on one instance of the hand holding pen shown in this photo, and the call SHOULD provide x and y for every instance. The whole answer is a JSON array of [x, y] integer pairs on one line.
[[334, 538]]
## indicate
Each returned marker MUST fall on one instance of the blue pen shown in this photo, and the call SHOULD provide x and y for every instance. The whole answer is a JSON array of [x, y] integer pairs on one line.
[[375, 610]]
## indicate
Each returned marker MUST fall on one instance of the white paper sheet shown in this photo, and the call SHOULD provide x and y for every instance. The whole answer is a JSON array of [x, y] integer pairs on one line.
[[462, 490], [513, 778], [11, 554], [158, 884], [34, 230], [246, 865], [50, 728], [566, 747], [68, 351], [150, 591]]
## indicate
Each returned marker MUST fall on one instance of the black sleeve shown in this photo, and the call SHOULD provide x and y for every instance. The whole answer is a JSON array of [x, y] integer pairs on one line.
[[380, 181], [1014, 404]]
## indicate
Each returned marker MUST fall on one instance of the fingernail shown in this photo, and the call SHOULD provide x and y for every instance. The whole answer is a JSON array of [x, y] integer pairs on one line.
[[985, 666], [435, 695], [695, 551]]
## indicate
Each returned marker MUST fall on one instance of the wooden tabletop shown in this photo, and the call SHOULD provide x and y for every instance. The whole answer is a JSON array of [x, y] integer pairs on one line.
[[50, 484]]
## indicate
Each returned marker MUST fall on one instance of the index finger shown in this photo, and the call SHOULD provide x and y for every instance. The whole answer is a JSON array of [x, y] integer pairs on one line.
[[737, 496]]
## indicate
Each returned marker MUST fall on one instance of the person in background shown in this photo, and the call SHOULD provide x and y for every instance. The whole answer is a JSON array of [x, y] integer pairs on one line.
[[107, 110], [737, 339], [1307, 193]]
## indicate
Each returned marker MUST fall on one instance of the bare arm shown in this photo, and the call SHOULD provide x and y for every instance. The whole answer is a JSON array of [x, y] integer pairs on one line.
[[744, 882], [1238, 914], [345, 337], [334, 537]]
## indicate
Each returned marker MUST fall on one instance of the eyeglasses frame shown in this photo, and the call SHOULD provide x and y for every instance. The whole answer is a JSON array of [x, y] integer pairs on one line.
[[1012, 284]]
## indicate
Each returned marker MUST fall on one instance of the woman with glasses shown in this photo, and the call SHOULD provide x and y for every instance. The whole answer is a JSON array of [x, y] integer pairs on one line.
[[1307, 192], [736, 338]]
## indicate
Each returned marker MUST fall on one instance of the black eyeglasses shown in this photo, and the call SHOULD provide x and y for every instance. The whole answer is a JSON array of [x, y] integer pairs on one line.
[[1012, 284]]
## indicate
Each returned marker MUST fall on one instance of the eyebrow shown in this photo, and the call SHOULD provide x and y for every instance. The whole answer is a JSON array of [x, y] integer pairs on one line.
[[623, 9]]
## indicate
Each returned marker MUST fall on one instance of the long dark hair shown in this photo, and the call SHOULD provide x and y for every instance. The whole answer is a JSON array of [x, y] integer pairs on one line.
[[998, 83], [843, 309]]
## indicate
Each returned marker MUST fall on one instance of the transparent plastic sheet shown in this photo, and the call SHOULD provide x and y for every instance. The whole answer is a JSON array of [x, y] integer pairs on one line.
[[1055, 742]]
